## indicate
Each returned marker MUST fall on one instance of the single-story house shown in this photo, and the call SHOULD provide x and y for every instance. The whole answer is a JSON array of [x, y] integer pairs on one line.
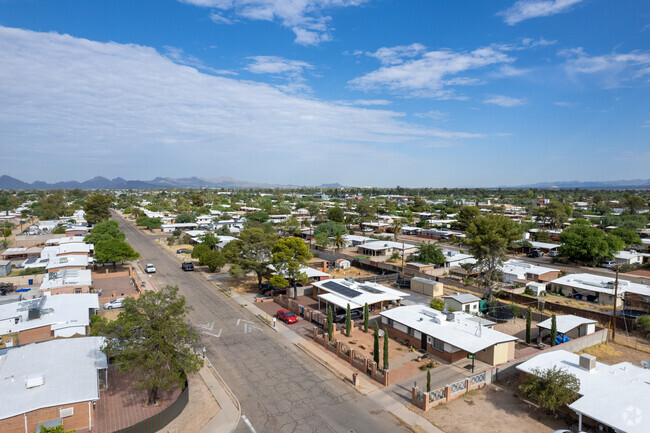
[[342, 264], [34, 262], [340, 293], [465, 302], [545, 247], [66, 249], [20, 253], [65, 240], [56, 381], [312, 274], [569, 325], [456, 258], [628, 258], [60, 263], [611, 397], [426, 287], [355, 240], [67, 281], [538, 289], [48, 317], [518, 271], [450, 336], [597, 288], [77, 231], [421, 267], [385, 248], [168, 228]]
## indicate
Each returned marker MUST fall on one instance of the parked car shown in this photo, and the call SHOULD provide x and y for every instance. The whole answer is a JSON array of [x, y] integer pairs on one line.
[[610, 264], [183, 251], [535, 253], [150, 268], [264, 287], [367, 230], [354, 315], [115, 303], [287, 316], [187, 266], [274, 291], [554, 253]]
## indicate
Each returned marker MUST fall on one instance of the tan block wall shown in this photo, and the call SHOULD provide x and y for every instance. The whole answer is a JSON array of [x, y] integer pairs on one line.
[[35, 335], [66, 267], [68, 290], [79, 420]]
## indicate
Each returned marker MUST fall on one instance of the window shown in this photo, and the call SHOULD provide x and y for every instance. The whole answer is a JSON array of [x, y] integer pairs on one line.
[[410, 331], [437, 344], [391, 323], [467, 308]]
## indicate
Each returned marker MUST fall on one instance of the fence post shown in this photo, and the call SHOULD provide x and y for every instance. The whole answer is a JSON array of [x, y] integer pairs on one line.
[[469, 383], [447, 393]]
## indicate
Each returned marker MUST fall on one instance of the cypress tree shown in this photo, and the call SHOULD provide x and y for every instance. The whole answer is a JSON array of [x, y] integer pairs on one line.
[[529, 319], [330, 323], [385, 350], [375, 352], [553, 330], [366, 318], [428, 380], [348, 321]]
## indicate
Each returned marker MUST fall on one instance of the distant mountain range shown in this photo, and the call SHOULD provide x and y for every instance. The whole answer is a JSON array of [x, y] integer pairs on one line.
[[99, 182], [572, 184]]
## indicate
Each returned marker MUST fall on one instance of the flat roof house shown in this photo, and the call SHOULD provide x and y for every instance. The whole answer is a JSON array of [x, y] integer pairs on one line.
[[449, 336], [340, 293], [60, 263], [55, 381], [48, 317], [67, 281], [516, 270], [612, 397], [465, 302], [385, 248], [597, 288], [456, 258], [628, 258]]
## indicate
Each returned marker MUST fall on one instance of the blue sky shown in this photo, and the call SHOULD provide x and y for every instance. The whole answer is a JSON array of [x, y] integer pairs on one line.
[[362, 92]]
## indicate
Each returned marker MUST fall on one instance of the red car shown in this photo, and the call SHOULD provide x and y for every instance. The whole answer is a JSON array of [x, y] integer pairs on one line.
[[287, 316]]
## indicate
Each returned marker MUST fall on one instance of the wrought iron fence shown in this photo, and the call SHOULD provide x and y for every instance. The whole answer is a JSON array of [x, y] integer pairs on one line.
[[437, 394], [459, 386], [477, 379]]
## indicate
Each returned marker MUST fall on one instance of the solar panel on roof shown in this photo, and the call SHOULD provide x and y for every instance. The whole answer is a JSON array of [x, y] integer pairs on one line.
[[371, 289], [341, 289]]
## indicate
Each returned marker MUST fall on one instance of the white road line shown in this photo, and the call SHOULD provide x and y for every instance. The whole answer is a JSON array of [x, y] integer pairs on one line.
[[208, 326], [242, 320], [214, 335], [248, 423]]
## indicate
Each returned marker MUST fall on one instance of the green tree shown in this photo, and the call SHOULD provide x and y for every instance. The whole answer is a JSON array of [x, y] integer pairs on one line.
[[292, 226], [554, 214], [428, 380], [437, 304], [386, 367], [214, 260], [199, 251], [198, 200], [96, 208], [488, 238], [322, 239], [552, 388], [430, 253], [252, 251], [589, 245], [104, 230], [628, 236], [366, 318], [529, 319], [149, 223], [375, 351], [210, 240], [339, 242], [330, 228], [335, 214], [57, 231], [553, 330], [235, 271], [185, 217], [152, 340], [633, 203], [396, 226], [330, 323], [466, 215], [57, 429], [114, 250], [348, 321], [258, 217], [290, 256]]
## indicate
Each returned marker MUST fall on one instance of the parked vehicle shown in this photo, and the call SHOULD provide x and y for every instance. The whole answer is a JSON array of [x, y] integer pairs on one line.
[[535, 253], [183, 251], [264, 287], [354, 315], [115, 303], [287, 316], [610, 264], [554, 253], [274, 291], [150, 268], [187, 266]]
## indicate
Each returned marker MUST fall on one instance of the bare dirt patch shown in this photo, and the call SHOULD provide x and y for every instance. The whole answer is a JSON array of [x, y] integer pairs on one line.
[[613, 353], [492, 410], [244, 286], [353, 272]]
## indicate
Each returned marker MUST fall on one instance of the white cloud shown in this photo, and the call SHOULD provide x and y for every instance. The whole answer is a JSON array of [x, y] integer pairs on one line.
[[646, 124], [432, 74], [526, 9], [86, 107], [180, 57], [610, 70], [396, 55], [504, 101], [565, 104], [305, 18], [290, 70], [432, 114], [365, 102]]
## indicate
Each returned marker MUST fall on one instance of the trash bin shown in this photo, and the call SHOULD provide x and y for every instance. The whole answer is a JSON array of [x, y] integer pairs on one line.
[[31, 282]]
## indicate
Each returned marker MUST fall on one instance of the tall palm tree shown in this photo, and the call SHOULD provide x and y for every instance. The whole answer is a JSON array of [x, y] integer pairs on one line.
[[397, 227], [339, 242]]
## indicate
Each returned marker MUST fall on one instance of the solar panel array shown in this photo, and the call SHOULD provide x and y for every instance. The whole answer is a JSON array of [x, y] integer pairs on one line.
[[371, 289], [341, 289]]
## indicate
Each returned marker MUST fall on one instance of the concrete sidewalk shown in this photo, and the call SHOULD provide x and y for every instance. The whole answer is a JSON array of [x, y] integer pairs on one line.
[[344, 371], [227, 419]]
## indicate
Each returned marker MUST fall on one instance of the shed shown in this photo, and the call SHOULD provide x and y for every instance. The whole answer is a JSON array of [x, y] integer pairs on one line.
[[465, 302], [569, 325], [538, 289], [5, 268], [342, 263], [426, 287]]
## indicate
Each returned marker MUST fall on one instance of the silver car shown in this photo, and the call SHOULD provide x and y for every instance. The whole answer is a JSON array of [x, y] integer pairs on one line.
[[115, 303]]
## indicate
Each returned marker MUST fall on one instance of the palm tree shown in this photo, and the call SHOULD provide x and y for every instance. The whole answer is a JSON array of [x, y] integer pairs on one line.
[[338, 242], [397, 227]]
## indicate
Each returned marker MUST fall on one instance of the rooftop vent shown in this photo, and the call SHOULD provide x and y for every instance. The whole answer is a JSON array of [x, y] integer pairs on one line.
[[34, 380]]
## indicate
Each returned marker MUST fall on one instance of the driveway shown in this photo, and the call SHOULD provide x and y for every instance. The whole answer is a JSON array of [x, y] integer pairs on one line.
[[279, 387]]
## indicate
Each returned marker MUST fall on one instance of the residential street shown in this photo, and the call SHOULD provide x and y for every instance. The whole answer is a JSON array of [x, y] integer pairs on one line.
[[279, 387]]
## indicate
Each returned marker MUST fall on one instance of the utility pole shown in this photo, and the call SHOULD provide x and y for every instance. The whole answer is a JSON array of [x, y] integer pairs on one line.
[[615, 302], [403, 253]]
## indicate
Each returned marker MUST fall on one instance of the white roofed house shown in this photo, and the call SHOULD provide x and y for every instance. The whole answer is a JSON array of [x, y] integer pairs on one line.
[[456, 258], [516, 270], [67, 281], [340, 293], [611, 397], [569, 325], [628, 258], [465, 302], [46, 318], [60, 263], [385, 248], [449, 336], [597, 288], [54, 382], [312, 274]]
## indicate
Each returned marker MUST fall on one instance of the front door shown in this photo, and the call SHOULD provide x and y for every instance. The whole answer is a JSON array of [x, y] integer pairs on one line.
[[423, 342]]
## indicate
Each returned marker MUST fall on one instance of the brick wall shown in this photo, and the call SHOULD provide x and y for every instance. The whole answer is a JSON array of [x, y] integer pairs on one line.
[[35, 335], [79, 420]]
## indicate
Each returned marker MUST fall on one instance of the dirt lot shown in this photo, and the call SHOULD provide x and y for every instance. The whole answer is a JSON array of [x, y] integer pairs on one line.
[[613, 353], [244, 286], [353, 272], [491, 410]]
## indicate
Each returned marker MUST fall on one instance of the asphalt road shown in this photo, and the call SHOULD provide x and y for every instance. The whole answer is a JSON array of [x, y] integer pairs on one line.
[[280, 388]]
